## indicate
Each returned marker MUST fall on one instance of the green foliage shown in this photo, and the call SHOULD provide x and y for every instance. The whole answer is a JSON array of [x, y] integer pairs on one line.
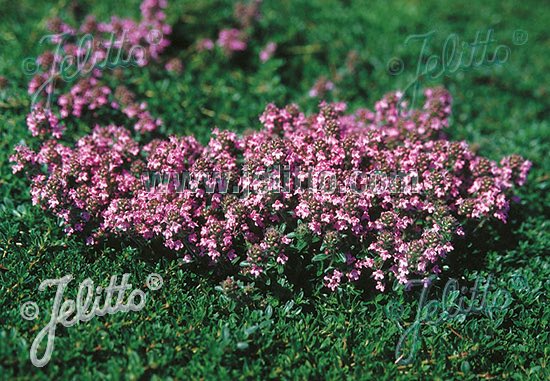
[[203, 326]]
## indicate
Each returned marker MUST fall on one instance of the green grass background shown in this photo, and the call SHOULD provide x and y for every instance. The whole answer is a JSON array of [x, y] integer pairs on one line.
[[192, 328]]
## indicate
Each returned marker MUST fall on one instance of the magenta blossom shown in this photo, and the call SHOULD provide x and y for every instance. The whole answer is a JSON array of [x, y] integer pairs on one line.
[[232, 40], [268, 51]]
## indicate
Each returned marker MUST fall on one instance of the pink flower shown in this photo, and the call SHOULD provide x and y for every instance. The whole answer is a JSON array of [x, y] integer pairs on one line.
[[268, 51], [321, 87], [256, 271], [378, 275], [282, 259], [205, 44], [333, 281], [354, 274], [278, 205], [231, 40], [174, 65]]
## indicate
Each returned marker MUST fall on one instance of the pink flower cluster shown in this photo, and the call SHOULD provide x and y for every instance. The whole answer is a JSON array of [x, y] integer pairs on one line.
[[91, 49], [232, 40], [95, 187], [321, 87]]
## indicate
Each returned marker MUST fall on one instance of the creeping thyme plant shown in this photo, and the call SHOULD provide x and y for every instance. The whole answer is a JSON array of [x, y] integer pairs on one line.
[[341, 233]]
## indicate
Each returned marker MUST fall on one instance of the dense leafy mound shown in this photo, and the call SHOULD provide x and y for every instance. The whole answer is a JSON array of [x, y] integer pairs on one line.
[[376, 194], [263, 201]]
